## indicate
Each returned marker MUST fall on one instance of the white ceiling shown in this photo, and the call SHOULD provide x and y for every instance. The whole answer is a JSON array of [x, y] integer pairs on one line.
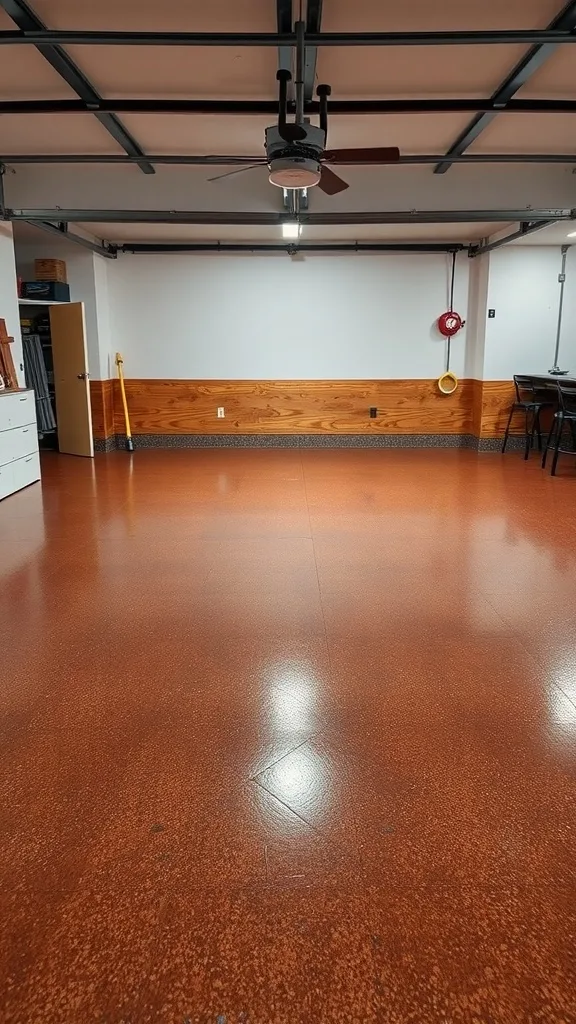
[[361, 72]]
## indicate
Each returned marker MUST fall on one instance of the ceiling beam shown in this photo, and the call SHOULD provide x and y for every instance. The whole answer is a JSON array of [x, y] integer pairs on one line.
[[565, 20], [313, 23], [526, 228], [42, 37], [103, 107], [277, 219], [27, 20], [223, 160]]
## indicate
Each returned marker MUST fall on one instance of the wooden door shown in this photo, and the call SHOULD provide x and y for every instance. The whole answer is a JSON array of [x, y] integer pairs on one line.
[[71, 379]]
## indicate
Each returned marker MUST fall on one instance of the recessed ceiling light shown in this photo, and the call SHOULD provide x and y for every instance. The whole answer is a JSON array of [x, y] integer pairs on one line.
[[291, 229]]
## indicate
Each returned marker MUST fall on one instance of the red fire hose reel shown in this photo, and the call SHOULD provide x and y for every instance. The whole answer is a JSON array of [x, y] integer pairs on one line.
[[450, 323]]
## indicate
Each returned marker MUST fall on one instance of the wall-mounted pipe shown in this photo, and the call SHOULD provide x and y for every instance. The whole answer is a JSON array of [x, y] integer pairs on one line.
[[562, 281]]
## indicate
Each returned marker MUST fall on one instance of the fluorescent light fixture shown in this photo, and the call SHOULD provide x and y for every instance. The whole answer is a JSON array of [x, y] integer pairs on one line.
[[291, 229]]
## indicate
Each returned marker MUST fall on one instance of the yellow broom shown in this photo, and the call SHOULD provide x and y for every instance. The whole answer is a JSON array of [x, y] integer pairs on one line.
[[120, 365]]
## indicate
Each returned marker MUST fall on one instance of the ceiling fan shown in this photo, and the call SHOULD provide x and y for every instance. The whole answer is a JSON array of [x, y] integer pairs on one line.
[[295, 150]]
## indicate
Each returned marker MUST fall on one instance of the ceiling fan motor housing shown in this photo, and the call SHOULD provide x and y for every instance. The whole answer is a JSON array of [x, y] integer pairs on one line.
[[295, 164]]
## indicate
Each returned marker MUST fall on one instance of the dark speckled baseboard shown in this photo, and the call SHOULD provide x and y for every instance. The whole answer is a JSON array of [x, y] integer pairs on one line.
[[108, 445], [142, 441]]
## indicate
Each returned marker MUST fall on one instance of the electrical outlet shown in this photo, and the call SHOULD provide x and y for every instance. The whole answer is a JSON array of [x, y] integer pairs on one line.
[[220, 412]]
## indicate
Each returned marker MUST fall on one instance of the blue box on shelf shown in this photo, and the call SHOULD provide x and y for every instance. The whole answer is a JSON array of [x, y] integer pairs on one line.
[[55, 291]]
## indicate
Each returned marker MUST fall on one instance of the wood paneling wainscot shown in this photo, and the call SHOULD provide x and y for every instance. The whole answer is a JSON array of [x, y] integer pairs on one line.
[[294, 407], [102, 403], [302, 407], [493, 400]]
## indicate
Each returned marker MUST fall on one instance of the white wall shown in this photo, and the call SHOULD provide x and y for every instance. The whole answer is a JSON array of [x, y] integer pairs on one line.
[[321, 316], [9, 296], [106, 350], [285, 318], [523, 290]]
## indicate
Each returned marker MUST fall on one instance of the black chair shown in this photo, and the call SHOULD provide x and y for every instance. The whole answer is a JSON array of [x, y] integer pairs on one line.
[[564, 417], [529, 400]]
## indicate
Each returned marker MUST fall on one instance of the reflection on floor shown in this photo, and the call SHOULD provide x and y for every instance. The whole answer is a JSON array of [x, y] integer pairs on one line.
[[289, 737]]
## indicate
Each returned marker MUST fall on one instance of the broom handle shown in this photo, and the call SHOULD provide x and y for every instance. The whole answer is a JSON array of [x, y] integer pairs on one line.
[[119, 364]]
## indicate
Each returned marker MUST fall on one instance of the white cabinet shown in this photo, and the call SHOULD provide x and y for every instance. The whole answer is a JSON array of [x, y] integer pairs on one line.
[[19, 458], [6, 481], [17, 442], [26, 471], [20, 411]]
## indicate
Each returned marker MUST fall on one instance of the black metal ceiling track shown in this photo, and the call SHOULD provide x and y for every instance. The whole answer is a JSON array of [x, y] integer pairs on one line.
[[565, 21], [41, 37], [61, 230], [148, 248], [277, 219], [29, 22], [268, 108], [313, 23], [222, 160], [526, 228], [284, 23]]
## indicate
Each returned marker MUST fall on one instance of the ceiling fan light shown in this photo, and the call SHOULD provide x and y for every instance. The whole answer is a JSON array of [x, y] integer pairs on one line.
[[294, 172], [291, 229]]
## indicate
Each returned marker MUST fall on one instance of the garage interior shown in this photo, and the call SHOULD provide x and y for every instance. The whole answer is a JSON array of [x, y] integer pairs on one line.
[[288, 690]]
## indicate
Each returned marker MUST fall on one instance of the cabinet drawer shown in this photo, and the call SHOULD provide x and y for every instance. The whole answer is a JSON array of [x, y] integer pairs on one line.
[[6, 481], [16, 443], [25, 471], [17, 410]]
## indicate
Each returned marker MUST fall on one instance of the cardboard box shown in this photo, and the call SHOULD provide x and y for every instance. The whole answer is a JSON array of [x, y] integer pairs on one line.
[[50, 270]]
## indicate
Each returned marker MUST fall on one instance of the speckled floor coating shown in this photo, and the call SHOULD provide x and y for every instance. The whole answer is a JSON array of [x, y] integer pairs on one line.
[[289, 737]]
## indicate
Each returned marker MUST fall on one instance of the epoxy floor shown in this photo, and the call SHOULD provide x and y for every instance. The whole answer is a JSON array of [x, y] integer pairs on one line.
[[289, 738]]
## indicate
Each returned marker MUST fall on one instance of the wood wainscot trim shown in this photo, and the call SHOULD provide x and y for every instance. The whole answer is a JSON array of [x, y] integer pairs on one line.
[[294, 407]]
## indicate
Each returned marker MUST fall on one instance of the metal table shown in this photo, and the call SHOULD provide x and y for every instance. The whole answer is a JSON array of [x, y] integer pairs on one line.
[[551, 379]]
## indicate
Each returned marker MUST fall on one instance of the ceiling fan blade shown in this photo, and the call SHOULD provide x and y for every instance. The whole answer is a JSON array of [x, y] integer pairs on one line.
[[330, 183], [382, 155], [239, 170]]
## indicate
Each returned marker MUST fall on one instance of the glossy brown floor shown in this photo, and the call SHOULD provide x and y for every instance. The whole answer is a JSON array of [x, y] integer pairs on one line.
[[289, 738]]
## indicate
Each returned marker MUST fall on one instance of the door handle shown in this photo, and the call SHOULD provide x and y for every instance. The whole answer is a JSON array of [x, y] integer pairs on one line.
[[82, 376]]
